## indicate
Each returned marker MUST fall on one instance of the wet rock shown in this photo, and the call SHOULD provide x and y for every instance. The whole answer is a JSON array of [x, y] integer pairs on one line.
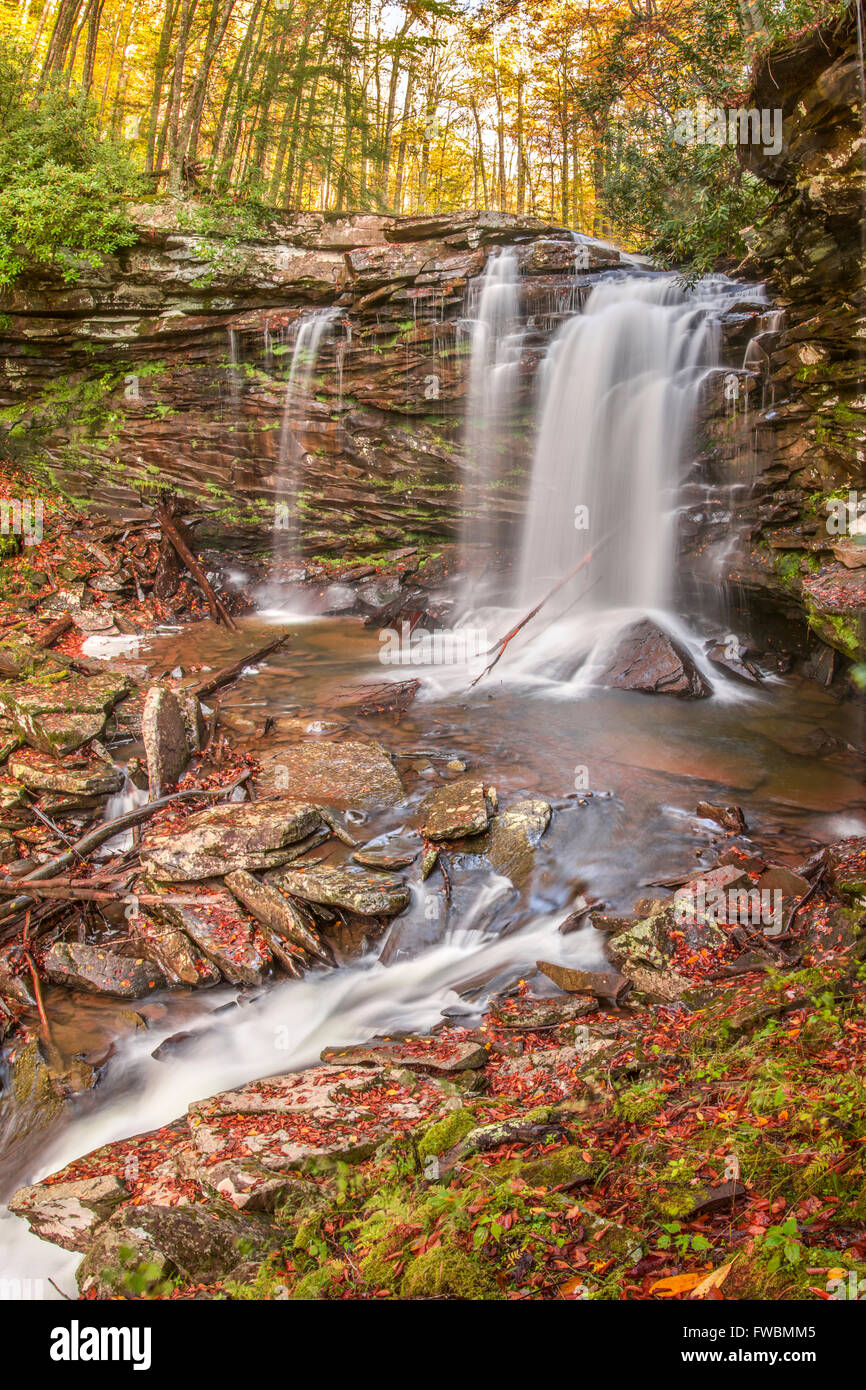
[[376, 858], [646, 659], [512, 838], [456, 810], [223, 934], [99, 971], [287, 1122], [367, 894], [350, 774], [609, 922], [66, 1213], [62, 716], [527, 1014], [39, 773], [164, 733], [423, 1054], [738, 666], [188, 1242], [599, 984], [174, 954], [728, 817], [275, 912], [237, 835], [779, 878], [20, 657]]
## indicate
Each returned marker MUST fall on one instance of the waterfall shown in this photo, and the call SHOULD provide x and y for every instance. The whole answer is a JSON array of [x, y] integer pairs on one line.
[[310, 331], [619, 389], [496, 340]]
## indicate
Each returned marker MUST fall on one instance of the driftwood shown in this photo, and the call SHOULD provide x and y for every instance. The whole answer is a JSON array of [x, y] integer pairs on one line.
[[226, 674], [53, 631], [499, 647], [169, 527], [94, 838]]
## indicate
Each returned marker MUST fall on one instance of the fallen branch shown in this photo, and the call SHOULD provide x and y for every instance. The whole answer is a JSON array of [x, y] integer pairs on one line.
[[499, 647], [94, 838], [226, 674], [53, 631], [218, 610]]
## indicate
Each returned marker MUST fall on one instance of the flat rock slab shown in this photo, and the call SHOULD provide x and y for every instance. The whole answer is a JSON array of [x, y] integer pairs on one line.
[[277, 913], [346, 774], [646, 659], [61, 716], [369, 894], [66, 1213], [224, 934], [324, 1112], [525, 1014], [98, 971], [414, 1054], [39, 773], [456, 810], [376, 858], [600, 984], [237, 835]]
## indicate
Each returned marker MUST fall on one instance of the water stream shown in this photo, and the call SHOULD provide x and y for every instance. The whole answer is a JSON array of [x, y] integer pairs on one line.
[[624, 773]]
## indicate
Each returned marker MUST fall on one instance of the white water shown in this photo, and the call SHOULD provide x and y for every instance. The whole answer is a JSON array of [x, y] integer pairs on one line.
[[618, 395], [310, 332], [282, 1031], [494, 379]]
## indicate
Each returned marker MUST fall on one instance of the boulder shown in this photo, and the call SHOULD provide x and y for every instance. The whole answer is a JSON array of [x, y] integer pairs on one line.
[[350, 774], [512, 837], [236, 835], [602, 984], [66, 1213], [99, 971], [164, 734], [647, 660], [369, 894], [186, 1242], [728, 817], [527, 1014], [456, 810]]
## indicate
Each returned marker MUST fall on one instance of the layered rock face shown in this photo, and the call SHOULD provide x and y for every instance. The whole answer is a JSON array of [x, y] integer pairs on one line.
[[168, 366], [810, 438]]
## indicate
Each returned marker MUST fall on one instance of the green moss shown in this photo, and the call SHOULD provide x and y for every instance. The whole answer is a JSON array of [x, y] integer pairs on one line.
[[561, 1169], [444, 1134], [443, 1273]]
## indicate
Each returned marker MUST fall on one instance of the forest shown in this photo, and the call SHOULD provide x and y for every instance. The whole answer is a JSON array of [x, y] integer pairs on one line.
[[565, 111]]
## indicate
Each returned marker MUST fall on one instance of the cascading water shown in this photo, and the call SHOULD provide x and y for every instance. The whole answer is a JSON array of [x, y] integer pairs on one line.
[[618, 395], [494, 379], [311, 330]]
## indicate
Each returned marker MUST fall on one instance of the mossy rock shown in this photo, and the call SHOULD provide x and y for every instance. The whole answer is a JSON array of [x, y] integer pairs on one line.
[[447, 1132], [444, 1273], [564, 1168]]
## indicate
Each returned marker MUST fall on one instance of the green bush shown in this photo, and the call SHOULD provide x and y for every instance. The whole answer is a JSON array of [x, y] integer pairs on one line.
[[62, 183]]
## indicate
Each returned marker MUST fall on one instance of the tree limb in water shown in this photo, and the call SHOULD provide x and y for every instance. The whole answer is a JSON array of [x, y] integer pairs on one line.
[[229, 673], [503, 641]]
